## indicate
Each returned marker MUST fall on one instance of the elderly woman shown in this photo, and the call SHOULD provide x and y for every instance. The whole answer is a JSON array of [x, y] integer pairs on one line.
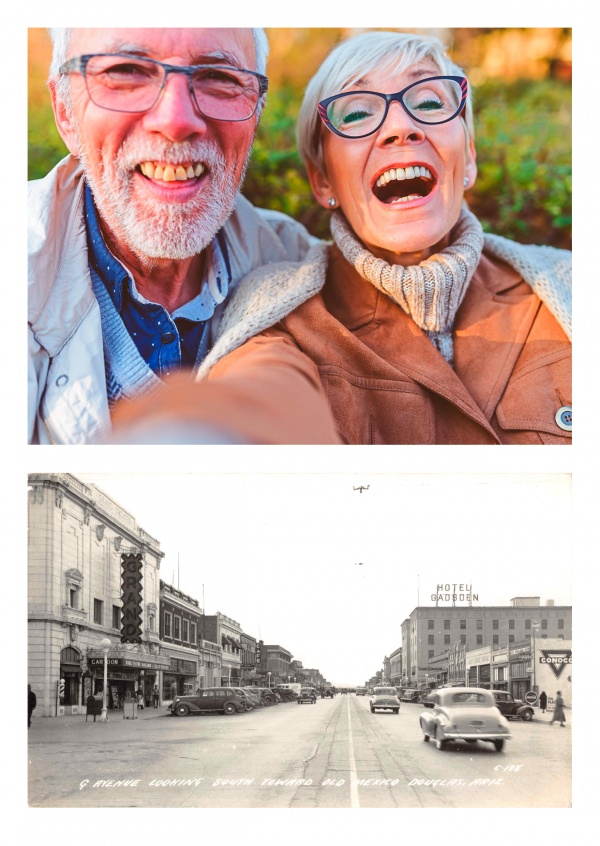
[[422, 329]]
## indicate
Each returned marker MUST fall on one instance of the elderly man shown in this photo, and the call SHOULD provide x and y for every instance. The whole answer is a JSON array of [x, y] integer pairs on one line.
[[139, 236]]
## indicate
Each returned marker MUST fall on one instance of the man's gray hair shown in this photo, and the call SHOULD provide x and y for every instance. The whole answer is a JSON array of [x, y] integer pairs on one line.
[[357, 57]]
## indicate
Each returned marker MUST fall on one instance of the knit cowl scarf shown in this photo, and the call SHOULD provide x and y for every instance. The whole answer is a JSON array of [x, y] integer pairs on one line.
[[430, 292]]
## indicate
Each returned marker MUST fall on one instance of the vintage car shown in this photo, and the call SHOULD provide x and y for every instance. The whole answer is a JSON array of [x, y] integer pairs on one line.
[[512, 709], [385, 699], [361, 691], [223, 699], [269, 696], [411, 695], [463, 713], [307, 694], [327, 692]]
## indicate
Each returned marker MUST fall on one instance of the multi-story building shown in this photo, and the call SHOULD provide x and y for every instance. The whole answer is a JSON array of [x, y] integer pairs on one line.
[[84, 605], [313, 677], [278, 662], [431, 631], [180, 621], [248, 667], [396, 667], [223, 630]]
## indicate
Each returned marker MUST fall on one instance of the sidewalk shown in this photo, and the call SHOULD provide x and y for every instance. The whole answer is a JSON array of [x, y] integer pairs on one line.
[[49, 723]]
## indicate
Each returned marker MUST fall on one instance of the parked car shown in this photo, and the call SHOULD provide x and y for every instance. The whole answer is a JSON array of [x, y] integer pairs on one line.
[[287, 694], [411, 695], [307, 694], [464, 713], [269, 695], [385, 699], [512, 709], [223, 699], [253, 696], [361, 691]]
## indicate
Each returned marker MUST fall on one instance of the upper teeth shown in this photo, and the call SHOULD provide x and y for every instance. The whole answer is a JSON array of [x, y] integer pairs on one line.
[[171, 173], [402, 173]]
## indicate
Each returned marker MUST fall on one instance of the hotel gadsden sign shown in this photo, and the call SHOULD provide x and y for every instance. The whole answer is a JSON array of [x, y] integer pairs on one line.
[[454, 593]]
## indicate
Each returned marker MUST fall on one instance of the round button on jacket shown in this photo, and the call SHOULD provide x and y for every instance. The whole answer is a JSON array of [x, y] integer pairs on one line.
[[564, 418], [168, 337]]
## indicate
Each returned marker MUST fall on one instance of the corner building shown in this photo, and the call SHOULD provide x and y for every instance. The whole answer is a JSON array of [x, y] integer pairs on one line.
[[76, 537]]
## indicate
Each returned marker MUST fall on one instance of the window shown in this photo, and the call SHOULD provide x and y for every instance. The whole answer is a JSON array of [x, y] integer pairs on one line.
[[495, 640], [479, 640], [116, 617], [447, 639], [168, 616], [431, 653], [561, 624], [463, 638], [463, 624], [544, 624], [176, 628], [429, 624], [431, 639], [511, 624], [446, 624], [479, 625], [98, 611], [73, 598], [193, 634], [545, 635], [494, 624], [511, 638], [186, 627], [527, 624]]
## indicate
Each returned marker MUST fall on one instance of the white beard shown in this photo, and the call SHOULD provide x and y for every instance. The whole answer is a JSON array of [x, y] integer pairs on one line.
[[152, 229]]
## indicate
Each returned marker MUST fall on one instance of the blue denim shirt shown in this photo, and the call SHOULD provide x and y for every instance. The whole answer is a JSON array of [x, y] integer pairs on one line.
[[166, 342]]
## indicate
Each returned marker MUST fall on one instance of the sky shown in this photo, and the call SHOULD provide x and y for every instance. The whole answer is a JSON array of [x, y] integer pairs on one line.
[[329, 572]]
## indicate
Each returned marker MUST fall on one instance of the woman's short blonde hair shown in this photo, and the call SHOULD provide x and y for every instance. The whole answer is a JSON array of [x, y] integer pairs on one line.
[[357, 57]]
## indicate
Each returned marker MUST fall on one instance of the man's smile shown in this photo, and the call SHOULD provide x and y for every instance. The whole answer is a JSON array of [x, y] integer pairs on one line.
[[172, 172]]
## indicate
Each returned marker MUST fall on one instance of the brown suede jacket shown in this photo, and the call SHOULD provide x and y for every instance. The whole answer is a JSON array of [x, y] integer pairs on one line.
[[386, 383]]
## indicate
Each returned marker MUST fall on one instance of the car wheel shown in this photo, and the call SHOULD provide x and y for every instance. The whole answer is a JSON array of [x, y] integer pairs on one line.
[[396, 710], [229, 708], [527, 716], [499, 744], [440, 743], [182, 710], [372, 710]]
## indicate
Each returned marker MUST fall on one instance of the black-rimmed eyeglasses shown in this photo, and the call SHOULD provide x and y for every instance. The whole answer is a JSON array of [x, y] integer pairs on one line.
[[122, 82], [356, 114]]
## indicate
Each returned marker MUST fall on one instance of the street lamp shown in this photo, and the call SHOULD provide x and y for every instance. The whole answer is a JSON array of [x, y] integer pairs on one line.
[[105, 644], [269, 678], [535, 627]]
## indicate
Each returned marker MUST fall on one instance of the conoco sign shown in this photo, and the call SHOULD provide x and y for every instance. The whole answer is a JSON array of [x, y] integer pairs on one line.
[[131, 594]]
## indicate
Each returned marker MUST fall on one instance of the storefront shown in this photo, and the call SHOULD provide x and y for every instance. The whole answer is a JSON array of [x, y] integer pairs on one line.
[[127, 674], [180, 678]]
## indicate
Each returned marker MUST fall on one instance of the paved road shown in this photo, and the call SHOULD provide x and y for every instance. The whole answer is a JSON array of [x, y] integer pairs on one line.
[[334, 754]]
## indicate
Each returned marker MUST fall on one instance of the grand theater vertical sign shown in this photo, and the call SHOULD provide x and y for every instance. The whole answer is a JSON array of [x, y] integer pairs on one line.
[[131, 593]]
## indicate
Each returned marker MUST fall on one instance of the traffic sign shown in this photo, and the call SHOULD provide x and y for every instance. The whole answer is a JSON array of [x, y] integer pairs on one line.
[[531, 697]]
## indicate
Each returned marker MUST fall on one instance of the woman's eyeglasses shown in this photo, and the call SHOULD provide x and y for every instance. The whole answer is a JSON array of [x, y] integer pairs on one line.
[[356, 114]]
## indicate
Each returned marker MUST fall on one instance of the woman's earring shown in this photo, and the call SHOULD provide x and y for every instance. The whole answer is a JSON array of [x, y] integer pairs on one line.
[[466, 181], [332, 202]]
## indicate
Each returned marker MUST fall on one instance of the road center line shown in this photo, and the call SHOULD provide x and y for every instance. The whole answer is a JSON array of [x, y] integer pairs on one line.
[[354, 802]]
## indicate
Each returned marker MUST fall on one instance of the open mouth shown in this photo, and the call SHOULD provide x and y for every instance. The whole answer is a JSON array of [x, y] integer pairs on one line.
[[171, 172], [401, 185]]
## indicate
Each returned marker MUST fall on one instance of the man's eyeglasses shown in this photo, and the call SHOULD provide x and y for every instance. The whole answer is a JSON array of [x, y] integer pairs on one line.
[[356, 114], [123, 82]]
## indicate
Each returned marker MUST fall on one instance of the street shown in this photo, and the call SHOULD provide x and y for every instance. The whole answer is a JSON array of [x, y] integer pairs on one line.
[[333, 754]]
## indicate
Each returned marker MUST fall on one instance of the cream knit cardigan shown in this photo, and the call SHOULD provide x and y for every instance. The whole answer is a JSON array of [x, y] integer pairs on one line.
[[268, 294]]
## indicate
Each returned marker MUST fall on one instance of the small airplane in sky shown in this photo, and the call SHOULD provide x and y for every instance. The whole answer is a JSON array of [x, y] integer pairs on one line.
[[362, 488]]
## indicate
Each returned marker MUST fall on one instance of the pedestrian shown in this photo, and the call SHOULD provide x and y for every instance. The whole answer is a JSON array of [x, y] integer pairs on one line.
[[140, 698], [559, 711], [155, 695], [173, 690], [543, 701], [31, 703]]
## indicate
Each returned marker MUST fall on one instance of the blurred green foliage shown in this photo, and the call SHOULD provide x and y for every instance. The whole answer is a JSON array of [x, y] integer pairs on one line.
[[523, 141]]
